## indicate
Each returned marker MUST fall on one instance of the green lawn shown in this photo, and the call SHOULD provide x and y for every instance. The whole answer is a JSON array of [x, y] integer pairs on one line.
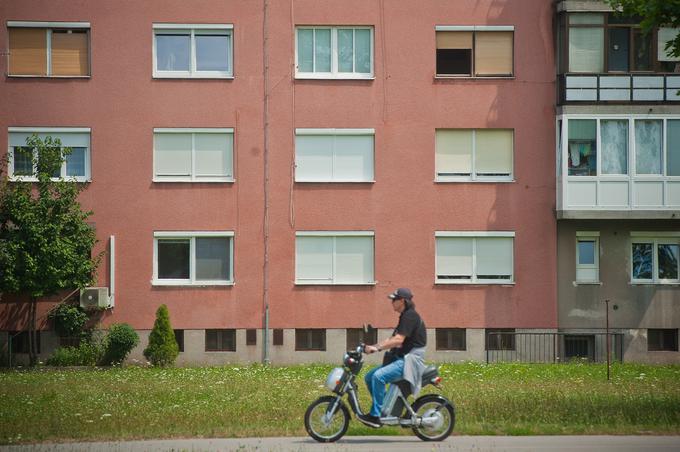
[[242, 401]]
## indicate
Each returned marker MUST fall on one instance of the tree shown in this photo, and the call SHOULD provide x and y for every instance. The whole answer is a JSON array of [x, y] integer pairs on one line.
[[654, 13], [163, 348], [45, 241]]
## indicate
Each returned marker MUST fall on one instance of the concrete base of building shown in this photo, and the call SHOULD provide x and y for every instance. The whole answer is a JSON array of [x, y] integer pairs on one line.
[[527, 348]]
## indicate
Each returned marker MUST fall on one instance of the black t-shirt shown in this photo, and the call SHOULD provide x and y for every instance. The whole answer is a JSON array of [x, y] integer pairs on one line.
[[412, 327]]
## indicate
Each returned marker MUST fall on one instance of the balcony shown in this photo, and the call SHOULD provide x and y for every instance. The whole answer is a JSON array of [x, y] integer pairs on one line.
[[619, 88], [618, 166]]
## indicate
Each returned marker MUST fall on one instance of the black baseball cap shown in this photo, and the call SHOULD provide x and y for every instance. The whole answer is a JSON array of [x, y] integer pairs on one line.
[[401, 293]]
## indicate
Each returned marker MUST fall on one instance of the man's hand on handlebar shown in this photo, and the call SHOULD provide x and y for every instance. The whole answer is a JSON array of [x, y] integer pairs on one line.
[[368, 349]]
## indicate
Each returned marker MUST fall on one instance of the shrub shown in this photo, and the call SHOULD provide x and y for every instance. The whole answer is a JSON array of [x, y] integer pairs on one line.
[[120, 341], [69, 320], [86, 354], [163, 348]]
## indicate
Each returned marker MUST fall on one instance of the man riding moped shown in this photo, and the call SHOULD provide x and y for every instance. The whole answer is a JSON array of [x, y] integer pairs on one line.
[[430, 416], [405, 358]]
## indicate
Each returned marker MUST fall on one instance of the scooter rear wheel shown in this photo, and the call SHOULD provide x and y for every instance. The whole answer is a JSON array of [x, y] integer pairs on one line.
[[438, 415], [322, 429]]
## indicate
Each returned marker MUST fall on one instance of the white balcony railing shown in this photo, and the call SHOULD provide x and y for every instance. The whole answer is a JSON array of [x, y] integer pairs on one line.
[[594, 88]]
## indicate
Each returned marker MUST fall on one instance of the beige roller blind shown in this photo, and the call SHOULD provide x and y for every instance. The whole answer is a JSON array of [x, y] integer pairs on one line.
[[27, 51], [493, 52], [454, 39], [69, 53], [493, 152], [453, 151]]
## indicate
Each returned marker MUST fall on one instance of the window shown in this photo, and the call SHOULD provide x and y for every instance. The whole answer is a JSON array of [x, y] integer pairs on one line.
[[473, 155], [587, 257], [251, 336], [582, 147], [356, 336], [334, 52], [579, 347], [310, 339], [334, 257], [49, 49], [474, 257], [20, 342], [334, 155], [649, 153], [450, 339], [655, 257], [193, 258], [179, 338], [193, 155], [662, 340], [76, 166], [277, 336], [479, 51], [500, 339], [192, 51], [603, 42], [220, 340]]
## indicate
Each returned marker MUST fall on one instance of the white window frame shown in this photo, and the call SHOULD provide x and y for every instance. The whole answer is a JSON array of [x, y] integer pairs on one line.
[[473, 29], [588, 236], [474, 235], [193, 30], [333, 235], [655, 239], [334, 73], [49, 26], [54, 132], [193, 177], [336, 132], [192, 236], [474, 177]]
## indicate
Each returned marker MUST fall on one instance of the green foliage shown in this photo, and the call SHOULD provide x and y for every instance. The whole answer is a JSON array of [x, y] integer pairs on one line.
[[69, 320], [45, 241], [119, 342], [654, 13], [163, 348], [86, 354]]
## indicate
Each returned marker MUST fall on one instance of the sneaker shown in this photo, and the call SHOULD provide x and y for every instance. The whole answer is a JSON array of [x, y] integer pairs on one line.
[[371, 421]]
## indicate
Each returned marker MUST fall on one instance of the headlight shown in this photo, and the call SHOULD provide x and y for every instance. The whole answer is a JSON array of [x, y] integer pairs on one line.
[[335, 379]]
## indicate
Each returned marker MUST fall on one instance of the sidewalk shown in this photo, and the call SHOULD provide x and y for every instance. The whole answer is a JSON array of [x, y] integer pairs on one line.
[[378, 444]]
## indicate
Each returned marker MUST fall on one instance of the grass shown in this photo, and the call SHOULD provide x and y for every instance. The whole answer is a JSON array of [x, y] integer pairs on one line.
[[245, 401]]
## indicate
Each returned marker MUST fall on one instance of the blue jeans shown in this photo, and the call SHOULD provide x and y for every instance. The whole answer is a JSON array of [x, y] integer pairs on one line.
[[376, 380]]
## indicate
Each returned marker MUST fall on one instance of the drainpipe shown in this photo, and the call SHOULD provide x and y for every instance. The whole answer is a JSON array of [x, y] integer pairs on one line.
[[265, 153]]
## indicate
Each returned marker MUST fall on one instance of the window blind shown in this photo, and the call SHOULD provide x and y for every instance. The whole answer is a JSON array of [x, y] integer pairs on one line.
[[453, 151], [493, 52], [27, 51], [173, 154], [69, 53], [493, 152]]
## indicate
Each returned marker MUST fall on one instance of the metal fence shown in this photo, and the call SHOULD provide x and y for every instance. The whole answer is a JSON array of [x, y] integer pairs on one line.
[[530, 347]]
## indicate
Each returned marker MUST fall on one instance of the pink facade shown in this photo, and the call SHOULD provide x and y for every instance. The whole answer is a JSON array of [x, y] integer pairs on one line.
[[404, 103]]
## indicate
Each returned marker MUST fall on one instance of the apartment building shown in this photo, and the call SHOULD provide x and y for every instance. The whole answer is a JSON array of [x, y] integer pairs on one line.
[[271, 170], [618, 183]]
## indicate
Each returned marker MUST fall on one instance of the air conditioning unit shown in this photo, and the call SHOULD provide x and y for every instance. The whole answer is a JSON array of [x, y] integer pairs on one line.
[[94, 297]]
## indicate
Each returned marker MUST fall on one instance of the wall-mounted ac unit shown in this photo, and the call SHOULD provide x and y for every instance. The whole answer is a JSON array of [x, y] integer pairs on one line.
[[94, 297]]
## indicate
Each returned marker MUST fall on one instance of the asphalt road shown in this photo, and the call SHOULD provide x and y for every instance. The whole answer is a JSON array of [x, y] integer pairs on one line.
[[380, 444]]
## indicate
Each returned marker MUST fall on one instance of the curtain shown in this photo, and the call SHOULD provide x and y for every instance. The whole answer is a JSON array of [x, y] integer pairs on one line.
[[648, 146], [614, 137]]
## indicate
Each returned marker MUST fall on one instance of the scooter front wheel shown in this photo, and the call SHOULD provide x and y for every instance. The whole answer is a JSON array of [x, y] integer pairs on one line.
[[323, 427], [437, 417]]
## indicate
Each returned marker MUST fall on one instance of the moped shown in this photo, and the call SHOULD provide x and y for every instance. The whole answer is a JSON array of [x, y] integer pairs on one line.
[[431, 416]]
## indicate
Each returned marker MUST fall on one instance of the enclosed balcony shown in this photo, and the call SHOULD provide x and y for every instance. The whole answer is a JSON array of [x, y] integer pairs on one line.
[[618, 166], [606, 58]]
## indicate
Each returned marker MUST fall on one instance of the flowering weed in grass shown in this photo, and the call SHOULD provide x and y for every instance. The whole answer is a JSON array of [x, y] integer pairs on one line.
[[256, 400]]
